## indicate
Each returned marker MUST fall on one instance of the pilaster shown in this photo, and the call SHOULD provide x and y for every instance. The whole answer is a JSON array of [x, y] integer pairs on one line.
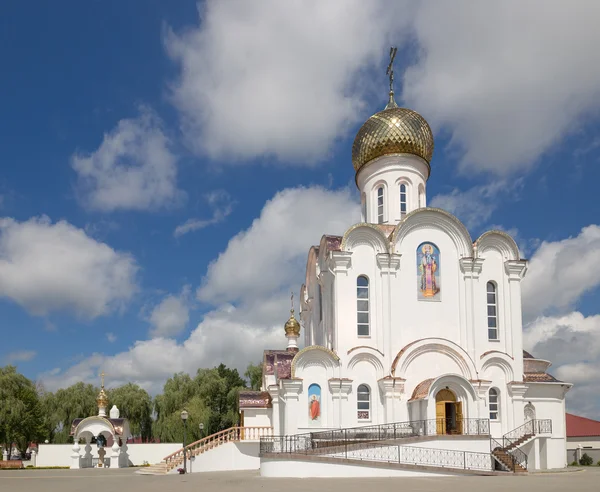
[[275, 420], [291, 394], [389, 266], [516, 391], [340, 389], [392, 389], [516, 270], [471, 269]]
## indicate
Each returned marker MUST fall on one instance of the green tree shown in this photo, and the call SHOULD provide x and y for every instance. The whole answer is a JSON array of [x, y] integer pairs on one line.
[[253, 375], [66, 405], [134, 404], [20, 410]]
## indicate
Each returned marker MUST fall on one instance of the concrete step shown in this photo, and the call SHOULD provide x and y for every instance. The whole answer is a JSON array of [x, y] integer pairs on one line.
[[156, 469]]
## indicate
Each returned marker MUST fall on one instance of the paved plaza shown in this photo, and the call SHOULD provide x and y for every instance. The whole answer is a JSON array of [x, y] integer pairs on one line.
[[103, 480]]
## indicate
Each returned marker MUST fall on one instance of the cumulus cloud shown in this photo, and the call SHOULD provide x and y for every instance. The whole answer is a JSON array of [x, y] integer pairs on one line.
[[259, 261], [134, 168], [547, 337], [46, 267], [561, 272], [278, 78], [20, 356], [221, 204], [476, 205], [500, 76], [261, 264], [170, 317]]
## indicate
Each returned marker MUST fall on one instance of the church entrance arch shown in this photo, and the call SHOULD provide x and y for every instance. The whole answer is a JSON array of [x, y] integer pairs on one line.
[[448, 412]]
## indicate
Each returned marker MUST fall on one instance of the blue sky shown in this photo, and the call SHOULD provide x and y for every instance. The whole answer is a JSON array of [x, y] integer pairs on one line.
[[123, 121]]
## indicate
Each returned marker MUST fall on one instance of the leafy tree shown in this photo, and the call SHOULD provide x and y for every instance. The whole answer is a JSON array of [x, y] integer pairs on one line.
[[66, 405], [254, 376], [134, 404], [20, 411]]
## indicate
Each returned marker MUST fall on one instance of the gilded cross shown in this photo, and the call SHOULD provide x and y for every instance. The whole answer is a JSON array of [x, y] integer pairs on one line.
[[390, 68], [292, 301], [102, 376]]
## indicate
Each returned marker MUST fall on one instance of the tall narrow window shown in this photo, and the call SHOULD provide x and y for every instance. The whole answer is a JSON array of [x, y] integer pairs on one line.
[[363, 402], [380, 205], [402, 200], [363, 204], [493, 404], [320, 303], [362, 306], [492, 311]]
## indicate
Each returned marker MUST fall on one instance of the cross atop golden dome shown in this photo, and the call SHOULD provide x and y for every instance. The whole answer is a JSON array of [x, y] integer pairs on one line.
[[392, 131], [102, 399], [292, 327]]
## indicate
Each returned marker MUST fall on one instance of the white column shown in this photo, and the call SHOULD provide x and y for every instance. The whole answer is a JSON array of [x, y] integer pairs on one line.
[[389, 265], [340, 389], [33, 458], [5, 455], [114, 456], [274, 392], [471, 269], [292, 389], [75, 456]]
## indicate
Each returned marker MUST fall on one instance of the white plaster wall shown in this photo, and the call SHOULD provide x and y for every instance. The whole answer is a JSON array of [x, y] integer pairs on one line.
[[391, 171], [151, 452], [60, 454], [257, 417], [54, 454], [472, 445], [304, 469], [227, 457]]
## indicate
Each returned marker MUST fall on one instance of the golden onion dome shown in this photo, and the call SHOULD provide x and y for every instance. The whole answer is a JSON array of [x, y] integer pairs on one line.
[[292, 327], [392, 131], [102, 399]]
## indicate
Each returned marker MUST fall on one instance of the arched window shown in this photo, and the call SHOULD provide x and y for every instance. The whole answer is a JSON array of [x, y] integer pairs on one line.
[[363, 402], [402, 200], [362, 306], [493, 404], [492, 311], [380, 205]]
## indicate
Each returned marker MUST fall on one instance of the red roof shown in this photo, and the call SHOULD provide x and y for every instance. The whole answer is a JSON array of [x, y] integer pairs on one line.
[[582, 427]]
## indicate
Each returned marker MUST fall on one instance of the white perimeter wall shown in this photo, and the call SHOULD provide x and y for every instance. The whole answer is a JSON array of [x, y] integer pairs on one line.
[[54, 455], [473, 445], [227, 457], [305, 469], [60, 454]]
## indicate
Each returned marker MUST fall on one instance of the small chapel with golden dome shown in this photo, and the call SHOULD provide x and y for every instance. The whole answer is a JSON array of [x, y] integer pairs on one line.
[[407, 319]]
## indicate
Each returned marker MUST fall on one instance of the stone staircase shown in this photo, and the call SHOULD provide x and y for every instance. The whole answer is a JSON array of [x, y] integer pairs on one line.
[[157, 469], [233, 434], [508, 453]]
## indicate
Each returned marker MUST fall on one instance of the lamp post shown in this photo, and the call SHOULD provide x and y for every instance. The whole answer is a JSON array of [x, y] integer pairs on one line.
[[184, 417]]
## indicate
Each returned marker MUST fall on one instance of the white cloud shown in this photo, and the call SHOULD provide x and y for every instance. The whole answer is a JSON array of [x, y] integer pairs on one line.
[[507, 79], [132, 169], [111, 337], [221, 205], [276, 78], [260, 260], [476, 205], [170, 317], [20, 356], [561, 272], [47, 267], [547, 337], [260, 264]]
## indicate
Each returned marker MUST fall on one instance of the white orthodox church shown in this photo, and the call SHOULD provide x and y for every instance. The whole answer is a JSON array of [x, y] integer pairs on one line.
[[407, 319]]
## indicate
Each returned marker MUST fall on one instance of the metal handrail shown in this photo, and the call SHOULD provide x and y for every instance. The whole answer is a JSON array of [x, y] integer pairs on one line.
[[530, 428], [311, 441]]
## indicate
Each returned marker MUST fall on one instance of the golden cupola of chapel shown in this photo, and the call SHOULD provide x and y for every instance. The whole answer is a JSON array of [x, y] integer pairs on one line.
[[394, 130]]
